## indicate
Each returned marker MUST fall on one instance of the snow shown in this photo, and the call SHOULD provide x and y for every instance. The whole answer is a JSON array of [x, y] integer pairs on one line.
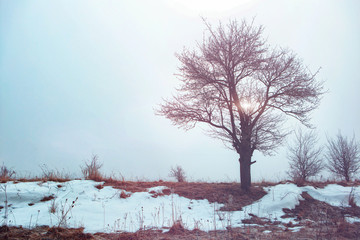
[[102, 210], [352, 219], [334, 194], [278, 197]]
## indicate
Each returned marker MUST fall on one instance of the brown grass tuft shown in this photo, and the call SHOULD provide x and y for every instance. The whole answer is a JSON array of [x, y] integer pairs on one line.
[[177, 228], [47, 198], [124, 195]]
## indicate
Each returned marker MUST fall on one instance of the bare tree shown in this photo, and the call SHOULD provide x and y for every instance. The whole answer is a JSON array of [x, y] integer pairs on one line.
[[305, 157], [242, 90], [343, 156], [178, 173]]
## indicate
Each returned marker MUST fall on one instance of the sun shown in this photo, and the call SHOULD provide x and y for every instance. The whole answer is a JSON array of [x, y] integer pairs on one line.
[[248, 106]]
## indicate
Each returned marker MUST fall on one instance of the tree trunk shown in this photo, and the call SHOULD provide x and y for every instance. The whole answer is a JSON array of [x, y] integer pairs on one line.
[[245, 174], [245, 152], [347, 177], [245, 167]]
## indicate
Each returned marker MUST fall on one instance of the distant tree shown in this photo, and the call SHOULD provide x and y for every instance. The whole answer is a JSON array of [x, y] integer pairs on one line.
[[304, 157], [242, 90], [178, 173], [343, 156]]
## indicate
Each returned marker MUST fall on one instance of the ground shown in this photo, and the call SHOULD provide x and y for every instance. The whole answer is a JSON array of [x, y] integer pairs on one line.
[[306, 218]]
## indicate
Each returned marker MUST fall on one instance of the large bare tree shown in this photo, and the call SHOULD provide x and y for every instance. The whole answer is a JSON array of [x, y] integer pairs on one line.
[[242, 90], [343, 156]]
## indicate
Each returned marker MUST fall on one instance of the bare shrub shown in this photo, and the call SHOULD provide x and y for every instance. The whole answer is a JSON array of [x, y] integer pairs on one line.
[[343, 156], [178, 173], [91, 169], [63, 211], [6, 173], [53, 207], [305, 157]]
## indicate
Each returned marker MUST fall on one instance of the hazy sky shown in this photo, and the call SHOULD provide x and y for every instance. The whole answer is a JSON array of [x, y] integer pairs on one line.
[[83, 77]]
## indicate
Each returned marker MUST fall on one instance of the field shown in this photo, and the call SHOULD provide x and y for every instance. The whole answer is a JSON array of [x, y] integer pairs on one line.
[[112, 209]]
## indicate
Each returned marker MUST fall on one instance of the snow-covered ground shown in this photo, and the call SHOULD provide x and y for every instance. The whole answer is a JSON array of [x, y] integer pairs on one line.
[[79, 203]]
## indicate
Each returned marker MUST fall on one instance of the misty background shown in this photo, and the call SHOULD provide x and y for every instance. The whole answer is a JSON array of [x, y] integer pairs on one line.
[[84, 77]]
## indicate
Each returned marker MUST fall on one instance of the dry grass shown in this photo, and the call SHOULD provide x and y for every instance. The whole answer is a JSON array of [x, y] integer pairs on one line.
[[47, 198], [124, 195], [160, 194], [177, 232], [99, 186], [327, 221], [315, 210], [43, 179], [54, 175], [230, 194], [43, 232], [53, 206]]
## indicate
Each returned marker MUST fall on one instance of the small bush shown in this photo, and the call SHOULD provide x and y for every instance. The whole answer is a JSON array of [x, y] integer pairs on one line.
[[91, 170], [6, 173], [178, 173]]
